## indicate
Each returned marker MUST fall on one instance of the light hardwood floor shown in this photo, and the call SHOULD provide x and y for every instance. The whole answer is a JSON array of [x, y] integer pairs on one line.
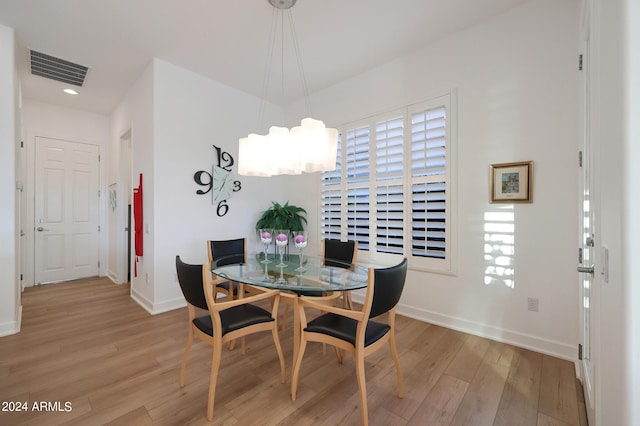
[[88, 344]]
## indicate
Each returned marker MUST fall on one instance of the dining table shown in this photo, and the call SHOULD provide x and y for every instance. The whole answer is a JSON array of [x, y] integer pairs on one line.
[[293, 277]]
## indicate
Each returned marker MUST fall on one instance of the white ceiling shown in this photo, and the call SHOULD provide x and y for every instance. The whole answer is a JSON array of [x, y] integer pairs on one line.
[[226, 40]]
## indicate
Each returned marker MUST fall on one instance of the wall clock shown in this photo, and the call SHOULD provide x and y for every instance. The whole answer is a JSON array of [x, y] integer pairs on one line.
[[220, 182]]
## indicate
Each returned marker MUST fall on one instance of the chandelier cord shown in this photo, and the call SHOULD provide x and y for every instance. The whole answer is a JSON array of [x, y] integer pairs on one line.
[[268, 63], [296, 47]]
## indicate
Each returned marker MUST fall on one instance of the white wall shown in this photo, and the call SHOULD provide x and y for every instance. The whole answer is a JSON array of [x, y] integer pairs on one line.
[[616, 41], [632, 209], [135, 114], [9, 138], [175, 117], [516, 79]]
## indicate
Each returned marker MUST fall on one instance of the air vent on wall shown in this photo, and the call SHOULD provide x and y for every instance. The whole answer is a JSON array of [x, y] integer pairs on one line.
[[58, 69]]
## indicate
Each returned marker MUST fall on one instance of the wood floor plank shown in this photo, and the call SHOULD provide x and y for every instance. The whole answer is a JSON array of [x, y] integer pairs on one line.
[[557, 390], [88, 343], [544, 420], [480, 403], [439, 407], [519, 402], [466, 362]]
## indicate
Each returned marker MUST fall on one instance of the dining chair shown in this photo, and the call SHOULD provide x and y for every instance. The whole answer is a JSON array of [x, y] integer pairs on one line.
[[334, 253], [337, 253], [225, 321], [234, 251], [355, 331]]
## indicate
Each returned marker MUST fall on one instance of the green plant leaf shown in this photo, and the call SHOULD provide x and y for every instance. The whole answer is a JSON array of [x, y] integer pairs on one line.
[[285, 216]]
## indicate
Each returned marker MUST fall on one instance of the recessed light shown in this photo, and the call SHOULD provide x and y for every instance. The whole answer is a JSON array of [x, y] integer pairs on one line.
[[70, 91]]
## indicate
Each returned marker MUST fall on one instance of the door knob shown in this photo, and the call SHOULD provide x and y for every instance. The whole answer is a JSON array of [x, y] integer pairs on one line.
[[586, 269], [40, 229]]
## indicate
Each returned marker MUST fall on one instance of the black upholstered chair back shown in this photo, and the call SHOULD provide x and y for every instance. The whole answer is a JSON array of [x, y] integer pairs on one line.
[[337, 252], [387, 288], [190, 279], [232, 250]]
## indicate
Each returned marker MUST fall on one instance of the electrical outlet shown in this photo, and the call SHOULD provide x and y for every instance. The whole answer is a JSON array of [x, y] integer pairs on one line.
[[532, 304]]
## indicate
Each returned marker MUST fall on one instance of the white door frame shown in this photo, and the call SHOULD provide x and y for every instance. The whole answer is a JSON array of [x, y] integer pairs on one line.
[[588, 363], [124, 199]]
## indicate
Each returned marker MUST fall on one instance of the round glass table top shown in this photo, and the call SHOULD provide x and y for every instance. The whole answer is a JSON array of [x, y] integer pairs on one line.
[[313, 276]]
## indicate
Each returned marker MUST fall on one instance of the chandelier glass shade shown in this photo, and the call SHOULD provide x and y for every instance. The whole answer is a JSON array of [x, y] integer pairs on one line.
[[310, 147]]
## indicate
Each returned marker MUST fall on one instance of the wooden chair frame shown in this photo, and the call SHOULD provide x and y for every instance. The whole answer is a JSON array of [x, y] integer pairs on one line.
[[229, 292], [359, 351], [218, 339], [346, 295]]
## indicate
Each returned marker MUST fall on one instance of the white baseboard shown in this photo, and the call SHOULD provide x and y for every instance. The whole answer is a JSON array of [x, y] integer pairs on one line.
[[157, 308], [12, 327], [113, 277], [515, 338]]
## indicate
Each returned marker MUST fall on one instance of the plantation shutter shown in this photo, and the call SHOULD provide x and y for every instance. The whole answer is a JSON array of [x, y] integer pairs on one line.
[[358, 194], [392, 191], [429, 183], [331, 199], [389, 154]]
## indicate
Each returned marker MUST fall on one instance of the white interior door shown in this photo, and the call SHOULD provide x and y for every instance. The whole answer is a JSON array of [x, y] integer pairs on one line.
[[589, 300], [66, 232]]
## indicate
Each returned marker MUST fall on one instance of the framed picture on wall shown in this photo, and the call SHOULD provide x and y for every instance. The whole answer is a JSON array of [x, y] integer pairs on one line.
[[511, 182]]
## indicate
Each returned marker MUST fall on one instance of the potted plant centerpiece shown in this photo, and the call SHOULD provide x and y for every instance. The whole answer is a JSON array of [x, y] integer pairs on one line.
[[278, 216]]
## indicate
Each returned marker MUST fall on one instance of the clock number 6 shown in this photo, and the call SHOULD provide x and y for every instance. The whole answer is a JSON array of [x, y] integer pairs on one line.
[[223, 208]]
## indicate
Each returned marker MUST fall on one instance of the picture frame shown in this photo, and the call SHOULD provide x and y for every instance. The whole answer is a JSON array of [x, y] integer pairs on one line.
[[511, 182]]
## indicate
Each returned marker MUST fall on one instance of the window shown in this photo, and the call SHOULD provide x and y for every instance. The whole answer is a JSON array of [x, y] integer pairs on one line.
[[392, 188]]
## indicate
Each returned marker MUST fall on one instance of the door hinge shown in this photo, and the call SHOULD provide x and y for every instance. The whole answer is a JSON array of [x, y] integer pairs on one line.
[[98, 264], [21, 144], [98, 228], [580, 255], [21, 277], [98, 193], [98, 158], [579, 158], [580, 62], [579, 351]]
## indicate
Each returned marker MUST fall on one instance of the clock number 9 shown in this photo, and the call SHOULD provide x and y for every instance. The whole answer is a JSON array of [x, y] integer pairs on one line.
[[197, 177]]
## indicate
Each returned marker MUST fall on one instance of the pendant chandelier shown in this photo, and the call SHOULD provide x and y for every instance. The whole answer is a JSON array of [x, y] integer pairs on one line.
[[310, 147]]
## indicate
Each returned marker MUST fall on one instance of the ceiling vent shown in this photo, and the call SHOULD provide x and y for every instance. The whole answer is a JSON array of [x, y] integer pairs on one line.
[[57, 69]]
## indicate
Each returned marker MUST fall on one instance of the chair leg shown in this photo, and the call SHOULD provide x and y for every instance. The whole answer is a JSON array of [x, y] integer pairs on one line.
[[396, 360], [276, 339], [296, 368], [346, 300], [183, 367], [285, 314], [215, 366], [362, 387]]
